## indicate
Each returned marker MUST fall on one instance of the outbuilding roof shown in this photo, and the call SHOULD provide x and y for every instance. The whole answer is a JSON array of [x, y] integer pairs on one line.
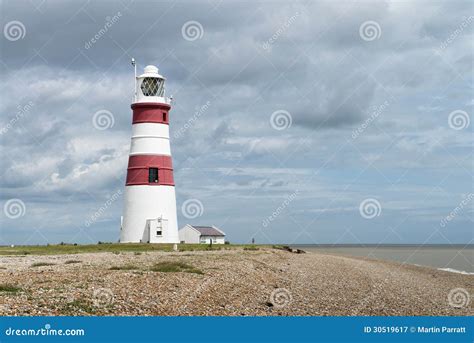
[[208, 231]]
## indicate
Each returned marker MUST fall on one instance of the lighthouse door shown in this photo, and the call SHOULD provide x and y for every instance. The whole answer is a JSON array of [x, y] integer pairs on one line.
[[157, 229]]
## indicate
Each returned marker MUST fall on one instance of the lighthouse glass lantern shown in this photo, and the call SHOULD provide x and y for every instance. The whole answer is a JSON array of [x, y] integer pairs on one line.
[[149, 214]]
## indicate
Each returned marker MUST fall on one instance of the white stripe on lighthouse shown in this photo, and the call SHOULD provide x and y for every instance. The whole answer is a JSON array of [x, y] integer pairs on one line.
[[150, 139]]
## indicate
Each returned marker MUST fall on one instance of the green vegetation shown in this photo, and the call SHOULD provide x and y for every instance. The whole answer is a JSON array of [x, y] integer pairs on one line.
[[106, 247], [72, 261], [9, 288], [251, 248], [174, 267], [126, 267], [41, 264], [71, 308]]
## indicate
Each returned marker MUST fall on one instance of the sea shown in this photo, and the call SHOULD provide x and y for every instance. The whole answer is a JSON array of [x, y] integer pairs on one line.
[[452, 258]]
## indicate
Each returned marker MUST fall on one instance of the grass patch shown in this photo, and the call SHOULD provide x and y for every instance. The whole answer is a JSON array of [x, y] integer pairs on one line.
[[79, 304], [213, 248], [72, 261], [42, 264], [9, 288], [105, 247], [251, 248], [175, 267], [126, 267]]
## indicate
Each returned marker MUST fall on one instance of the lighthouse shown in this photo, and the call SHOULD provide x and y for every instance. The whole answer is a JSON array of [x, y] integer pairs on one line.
[[149, 214]]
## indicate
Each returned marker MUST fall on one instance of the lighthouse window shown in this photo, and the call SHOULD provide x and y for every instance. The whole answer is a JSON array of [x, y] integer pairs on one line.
[[152, 86], [153, 175], [164, 117]]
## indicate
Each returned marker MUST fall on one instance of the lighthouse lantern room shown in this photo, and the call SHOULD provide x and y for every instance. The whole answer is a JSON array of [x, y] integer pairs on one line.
[[149, 214]]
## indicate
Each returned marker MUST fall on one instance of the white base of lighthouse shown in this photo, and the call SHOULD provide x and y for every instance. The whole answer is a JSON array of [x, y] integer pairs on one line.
[[150, 215]]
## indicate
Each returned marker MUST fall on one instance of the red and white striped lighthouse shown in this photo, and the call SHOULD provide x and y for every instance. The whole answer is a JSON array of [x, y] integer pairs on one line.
[[149, 214]]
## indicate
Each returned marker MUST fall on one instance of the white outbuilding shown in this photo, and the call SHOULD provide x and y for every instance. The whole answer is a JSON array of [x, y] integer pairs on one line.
[[201, 235]]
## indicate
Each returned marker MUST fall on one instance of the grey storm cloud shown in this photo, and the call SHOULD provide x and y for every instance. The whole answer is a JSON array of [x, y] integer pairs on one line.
[[251, 59]]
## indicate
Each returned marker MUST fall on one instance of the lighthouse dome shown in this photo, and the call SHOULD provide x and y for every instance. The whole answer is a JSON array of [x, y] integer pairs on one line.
[[150, 86], [151, 70]]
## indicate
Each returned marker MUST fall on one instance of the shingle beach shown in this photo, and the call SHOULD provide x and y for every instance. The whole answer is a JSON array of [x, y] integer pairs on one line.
[[237, 282]]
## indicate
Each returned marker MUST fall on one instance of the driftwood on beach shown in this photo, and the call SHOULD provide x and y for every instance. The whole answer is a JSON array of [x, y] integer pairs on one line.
[[287, 248]]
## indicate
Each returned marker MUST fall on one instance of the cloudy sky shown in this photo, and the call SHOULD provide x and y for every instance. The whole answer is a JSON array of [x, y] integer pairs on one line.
[[309, 122]]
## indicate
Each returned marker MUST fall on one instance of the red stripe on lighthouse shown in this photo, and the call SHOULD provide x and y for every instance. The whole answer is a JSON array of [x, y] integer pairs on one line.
[[150, 112], [138, 170]]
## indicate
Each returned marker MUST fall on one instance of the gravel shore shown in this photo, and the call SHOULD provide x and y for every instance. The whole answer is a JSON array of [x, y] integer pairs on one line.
[[265, 282]]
